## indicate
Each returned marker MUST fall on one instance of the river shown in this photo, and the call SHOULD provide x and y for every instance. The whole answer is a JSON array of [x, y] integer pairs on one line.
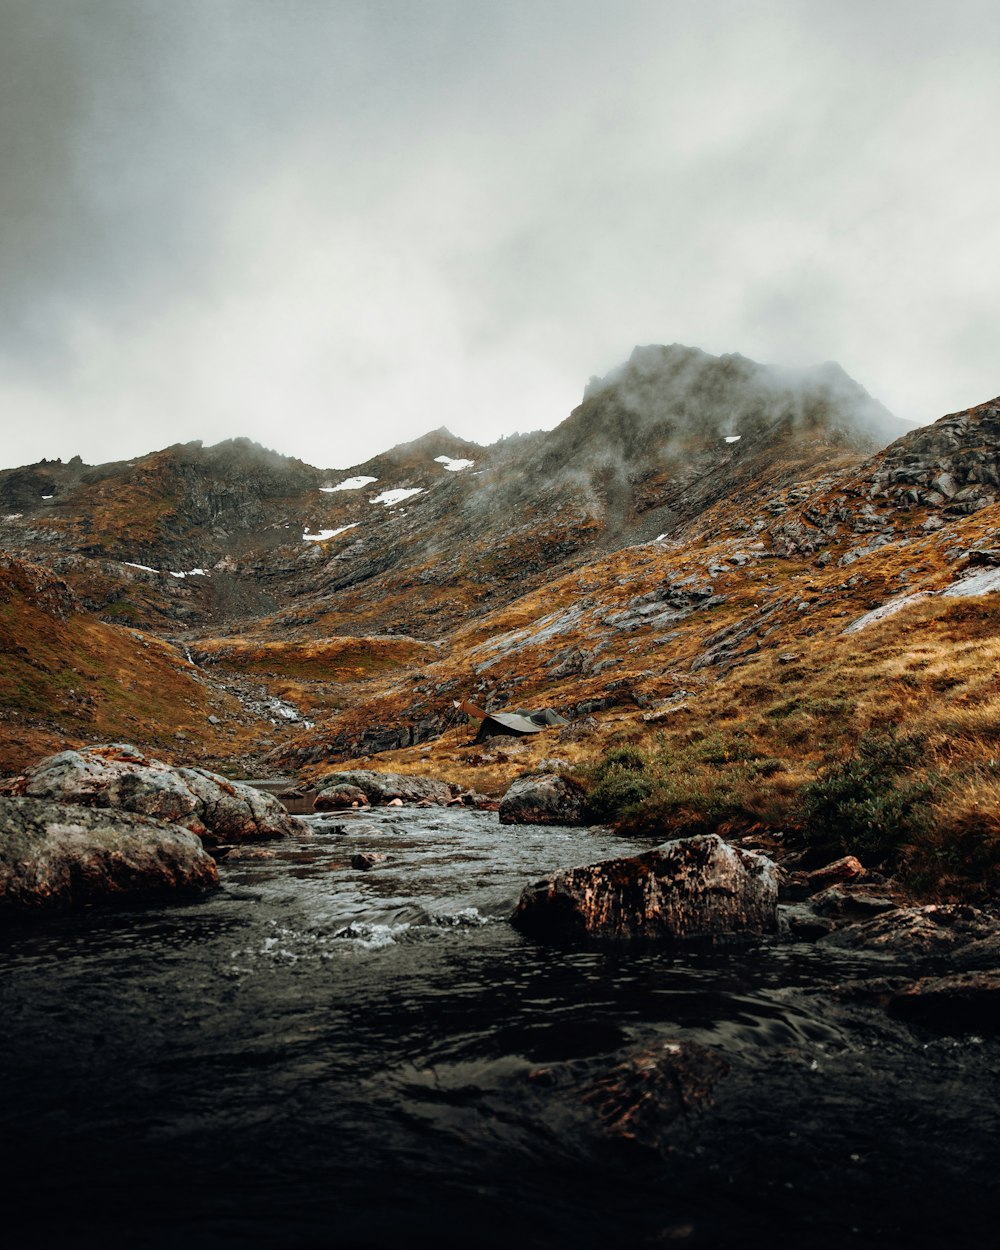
[[317, 1056]]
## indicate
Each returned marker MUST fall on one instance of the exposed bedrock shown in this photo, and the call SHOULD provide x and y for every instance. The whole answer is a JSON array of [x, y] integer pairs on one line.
[[120, 776], [343, 795], [384, 787], [542, 799], [692, 888], [61, 855]]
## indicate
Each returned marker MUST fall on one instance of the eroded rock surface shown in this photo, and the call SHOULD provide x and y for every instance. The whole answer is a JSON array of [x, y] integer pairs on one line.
[[692, 888], [542, 799], [120, 776], [338, 797], [384, 787], [58, 855]]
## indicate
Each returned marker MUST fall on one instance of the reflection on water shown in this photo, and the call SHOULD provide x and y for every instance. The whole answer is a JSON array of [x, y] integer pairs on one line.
[[321, 1056]]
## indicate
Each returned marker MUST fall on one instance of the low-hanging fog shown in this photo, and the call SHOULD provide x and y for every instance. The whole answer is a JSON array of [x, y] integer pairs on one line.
[[331, 225]]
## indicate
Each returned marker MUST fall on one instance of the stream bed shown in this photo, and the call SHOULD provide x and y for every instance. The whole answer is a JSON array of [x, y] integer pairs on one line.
[[321, 1056]]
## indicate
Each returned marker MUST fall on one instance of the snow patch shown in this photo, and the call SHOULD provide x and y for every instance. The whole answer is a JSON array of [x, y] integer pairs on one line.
[[189, 573], [351, 483], [48, 496], [733, 438], [390, 497], [14, 516], [145, 567], [453, 466], [323, 535]]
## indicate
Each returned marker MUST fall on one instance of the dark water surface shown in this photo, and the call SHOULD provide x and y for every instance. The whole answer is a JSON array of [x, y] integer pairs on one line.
[[318, 1056]]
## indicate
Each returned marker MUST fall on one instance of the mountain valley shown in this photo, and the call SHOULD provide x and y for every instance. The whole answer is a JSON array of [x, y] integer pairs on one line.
[[706, 551]]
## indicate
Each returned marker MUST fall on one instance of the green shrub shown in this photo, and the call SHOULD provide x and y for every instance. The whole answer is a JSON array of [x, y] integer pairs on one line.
[[869, 805], [627, 758], [616, 794]]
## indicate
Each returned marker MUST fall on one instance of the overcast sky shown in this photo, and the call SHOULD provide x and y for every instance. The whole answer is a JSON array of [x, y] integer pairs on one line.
[[332, 225]]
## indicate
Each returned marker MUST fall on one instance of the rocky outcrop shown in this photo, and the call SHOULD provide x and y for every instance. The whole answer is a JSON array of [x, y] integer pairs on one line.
[[384, 787], [62, 855], [950, 464], [343, 795], [542, 799], [916, 933], [956, 1003], [692, 888], [120, 776]]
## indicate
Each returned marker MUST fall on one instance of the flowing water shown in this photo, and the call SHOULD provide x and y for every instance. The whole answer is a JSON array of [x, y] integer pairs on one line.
[[319, 1056]]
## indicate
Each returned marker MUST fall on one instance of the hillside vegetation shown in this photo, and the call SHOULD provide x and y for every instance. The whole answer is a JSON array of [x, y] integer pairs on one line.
[[755, 619]]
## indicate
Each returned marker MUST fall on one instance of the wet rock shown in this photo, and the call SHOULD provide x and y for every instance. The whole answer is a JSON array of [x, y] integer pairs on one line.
[[366, 860], [384, 787], [809, 928], [481, 802], [849, 868], [335, 798], [292, 794], [60, 855], [916, 932], [120, 776], [837, 903], [542, 799], [649, 1090], [692, 888], [962, 1002]]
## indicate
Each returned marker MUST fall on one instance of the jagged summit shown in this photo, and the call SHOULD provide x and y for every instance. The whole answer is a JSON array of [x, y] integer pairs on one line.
[[417, 538], [667, 393]]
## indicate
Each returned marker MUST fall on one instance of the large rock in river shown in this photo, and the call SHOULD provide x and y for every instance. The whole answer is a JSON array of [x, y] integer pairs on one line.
[[57, 855], [336, 798], [542, 799], [122, 777], [690, 888], [384, 787]]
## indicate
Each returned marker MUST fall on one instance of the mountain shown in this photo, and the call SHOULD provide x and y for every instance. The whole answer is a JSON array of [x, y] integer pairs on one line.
[[705, 550], [651, 447]]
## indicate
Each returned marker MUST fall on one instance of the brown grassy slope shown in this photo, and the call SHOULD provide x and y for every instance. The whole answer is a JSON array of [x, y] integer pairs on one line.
[[778, 615], [67, 678]]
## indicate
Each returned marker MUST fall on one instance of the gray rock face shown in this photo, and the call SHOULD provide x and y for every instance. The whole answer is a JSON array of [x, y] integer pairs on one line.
[[334, 798], [543, 799], [61, 855], [121, 777], [693, 888], [384, 787]]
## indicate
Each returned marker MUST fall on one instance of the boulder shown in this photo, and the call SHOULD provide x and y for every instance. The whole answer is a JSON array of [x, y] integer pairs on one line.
[[640, 1097], [121, 777], [837, 903], [691, 888], [961, 1002], [916, 933], [364, 860], [335, 798], [60, 855], [384, 787], [849, 868], [542, 799]]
